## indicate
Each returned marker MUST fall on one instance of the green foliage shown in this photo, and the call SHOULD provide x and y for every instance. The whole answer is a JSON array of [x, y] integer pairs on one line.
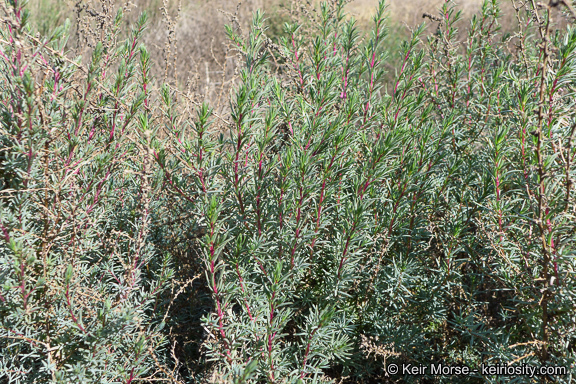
[[76, 295], [339, 228]]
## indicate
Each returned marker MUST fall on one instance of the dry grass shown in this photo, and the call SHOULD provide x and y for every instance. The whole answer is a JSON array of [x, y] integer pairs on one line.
[[408, 12], [188, 45], [187, 41], [199, 28], [197, 55]]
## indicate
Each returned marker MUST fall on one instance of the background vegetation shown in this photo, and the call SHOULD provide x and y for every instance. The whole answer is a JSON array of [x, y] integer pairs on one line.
[[310, 203]]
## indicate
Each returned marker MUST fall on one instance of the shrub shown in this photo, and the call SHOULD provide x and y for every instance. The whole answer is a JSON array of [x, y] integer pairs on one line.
[[79, 276], [342, 225]]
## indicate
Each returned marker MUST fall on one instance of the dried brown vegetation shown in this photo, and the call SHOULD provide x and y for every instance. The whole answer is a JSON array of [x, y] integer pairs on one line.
[[188, 44]]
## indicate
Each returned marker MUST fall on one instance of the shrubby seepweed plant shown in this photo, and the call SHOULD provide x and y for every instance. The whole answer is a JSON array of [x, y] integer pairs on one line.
[[79, 278], [342, 226]]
